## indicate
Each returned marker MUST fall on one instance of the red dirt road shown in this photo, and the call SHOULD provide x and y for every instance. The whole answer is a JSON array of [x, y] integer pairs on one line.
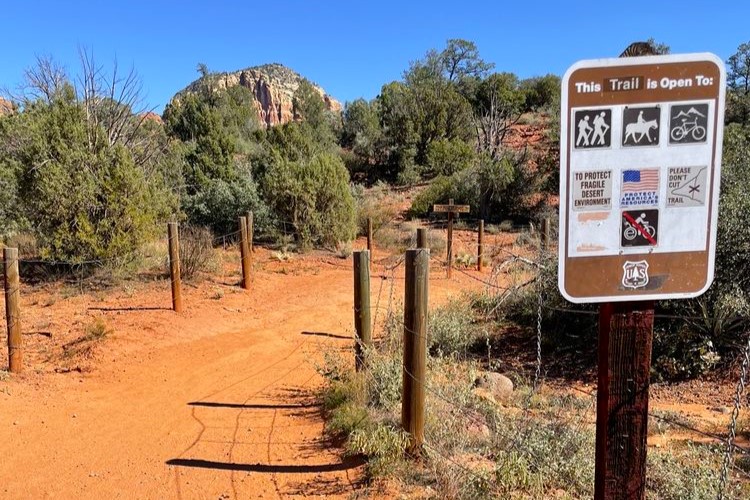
[[217, 402]]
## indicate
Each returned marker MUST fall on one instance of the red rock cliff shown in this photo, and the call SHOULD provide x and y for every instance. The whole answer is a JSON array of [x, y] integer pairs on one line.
[[273, 87]]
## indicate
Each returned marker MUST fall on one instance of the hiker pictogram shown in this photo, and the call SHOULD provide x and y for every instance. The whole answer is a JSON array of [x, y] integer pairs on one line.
[[640, 126], [639, 228], [593, 128], [688, 123]]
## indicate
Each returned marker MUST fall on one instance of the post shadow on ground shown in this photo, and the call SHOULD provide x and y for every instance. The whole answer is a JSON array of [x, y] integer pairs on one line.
[[218, 404], [329, 335], [135, 309], [348, 463]]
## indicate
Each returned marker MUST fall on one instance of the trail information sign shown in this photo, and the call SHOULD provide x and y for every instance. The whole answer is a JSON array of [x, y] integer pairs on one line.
[[640, 164]]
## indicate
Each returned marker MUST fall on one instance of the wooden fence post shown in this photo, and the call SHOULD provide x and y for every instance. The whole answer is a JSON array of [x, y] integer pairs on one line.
[[544, 236], [415, 354], [244, 254], [13, 310], [450, 241], [362, 323], [174, 266], [422, 238], [480, 243], [369, 235], [250, 231]]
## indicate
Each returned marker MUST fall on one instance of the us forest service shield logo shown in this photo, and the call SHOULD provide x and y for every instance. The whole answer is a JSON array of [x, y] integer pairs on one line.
[[635, 274]]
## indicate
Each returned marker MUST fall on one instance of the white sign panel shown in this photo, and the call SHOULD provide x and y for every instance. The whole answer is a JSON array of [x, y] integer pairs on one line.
[[639, 180]]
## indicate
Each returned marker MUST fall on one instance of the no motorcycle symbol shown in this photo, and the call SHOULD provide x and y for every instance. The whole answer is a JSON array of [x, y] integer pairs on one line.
[[639, 228]]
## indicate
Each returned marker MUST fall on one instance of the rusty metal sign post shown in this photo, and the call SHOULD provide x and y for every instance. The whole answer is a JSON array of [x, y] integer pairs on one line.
[[640, 151]]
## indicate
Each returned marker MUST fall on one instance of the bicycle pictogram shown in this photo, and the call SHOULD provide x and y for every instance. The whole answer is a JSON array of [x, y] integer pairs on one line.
[[688, 123], [698, 132]]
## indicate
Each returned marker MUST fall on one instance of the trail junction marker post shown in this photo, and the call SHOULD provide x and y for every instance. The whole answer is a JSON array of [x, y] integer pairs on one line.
[[452, 210], [640, 151]]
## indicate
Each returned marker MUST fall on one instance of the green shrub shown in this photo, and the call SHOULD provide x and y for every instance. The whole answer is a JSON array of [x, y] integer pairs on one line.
[[440, 190], [314, 196], [219, 204], [451, 330], [26, 243], [383, 444], [85, 197], [685, 474], [399, 238], [448, 156]]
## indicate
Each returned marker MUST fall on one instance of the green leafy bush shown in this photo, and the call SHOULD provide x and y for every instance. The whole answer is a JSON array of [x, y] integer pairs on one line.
[[452, 331], [314, 196], [86, 195], [220, 203], [448, 156]]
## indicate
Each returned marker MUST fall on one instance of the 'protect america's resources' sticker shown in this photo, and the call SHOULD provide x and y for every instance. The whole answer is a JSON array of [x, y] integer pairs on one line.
[[592, 190]]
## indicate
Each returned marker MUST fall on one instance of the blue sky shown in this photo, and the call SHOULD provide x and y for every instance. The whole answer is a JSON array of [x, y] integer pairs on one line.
[[350, 48]]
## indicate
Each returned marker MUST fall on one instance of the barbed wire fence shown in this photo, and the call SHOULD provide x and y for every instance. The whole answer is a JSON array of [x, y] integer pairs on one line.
[[525, 270], [507, 261]]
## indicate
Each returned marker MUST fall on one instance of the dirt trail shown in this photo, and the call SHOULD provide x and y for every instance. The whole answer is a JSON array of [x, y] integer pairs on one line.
[[218, 402]]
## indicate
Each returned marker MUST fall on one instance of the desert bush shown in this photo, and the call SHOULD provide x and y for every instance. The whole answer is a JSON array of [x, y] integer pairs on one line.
[[448, 156], [196, 251], [399, 238], [451, 330], [409, 175], [314, 196], [219, 204], [26, 243], [87, 198], [688, 473], [440, 190], [383, 444], [380, 204], [93, 333]]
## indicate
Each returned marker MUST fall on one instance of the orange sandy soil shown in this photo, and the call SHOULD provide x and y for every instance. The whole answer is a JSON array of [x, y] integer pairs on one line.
[[219, 401], [216, 402]]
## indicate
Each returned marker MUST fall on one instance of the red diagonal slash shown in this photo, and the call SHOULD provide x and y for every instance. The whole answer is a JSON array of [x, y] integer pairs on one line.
[[639, 228]]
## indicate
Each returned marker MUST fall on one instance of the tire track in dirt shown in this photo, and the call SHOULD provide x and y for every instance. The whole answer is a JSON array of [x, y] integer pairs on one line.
[[112, 433]]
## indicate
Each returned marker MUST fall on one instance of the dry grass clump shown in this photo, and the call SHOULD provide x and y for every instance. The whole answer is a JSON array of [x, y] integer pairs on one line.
[[533, 444]]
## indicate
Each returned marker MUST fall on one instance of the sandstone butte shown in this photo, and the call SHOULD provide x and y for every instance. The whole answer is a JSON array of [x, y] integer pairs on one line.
[[273, 86]]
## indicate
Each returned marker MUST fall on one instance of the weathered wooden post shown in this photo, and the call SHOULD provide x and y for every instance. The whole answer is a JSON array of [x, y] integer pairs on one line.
[[415, 353], [369, 235], [174, 265], [244, 254], [544, 235], [13, 310], [250, 231], [362, 323], [451, 209], [422, 238], [625, 339], [480, 242]]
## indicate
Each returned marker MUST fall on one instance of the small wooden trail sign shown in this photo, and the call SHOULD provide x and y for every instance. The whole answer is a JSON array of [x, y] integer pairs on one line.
[[451, 209]]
